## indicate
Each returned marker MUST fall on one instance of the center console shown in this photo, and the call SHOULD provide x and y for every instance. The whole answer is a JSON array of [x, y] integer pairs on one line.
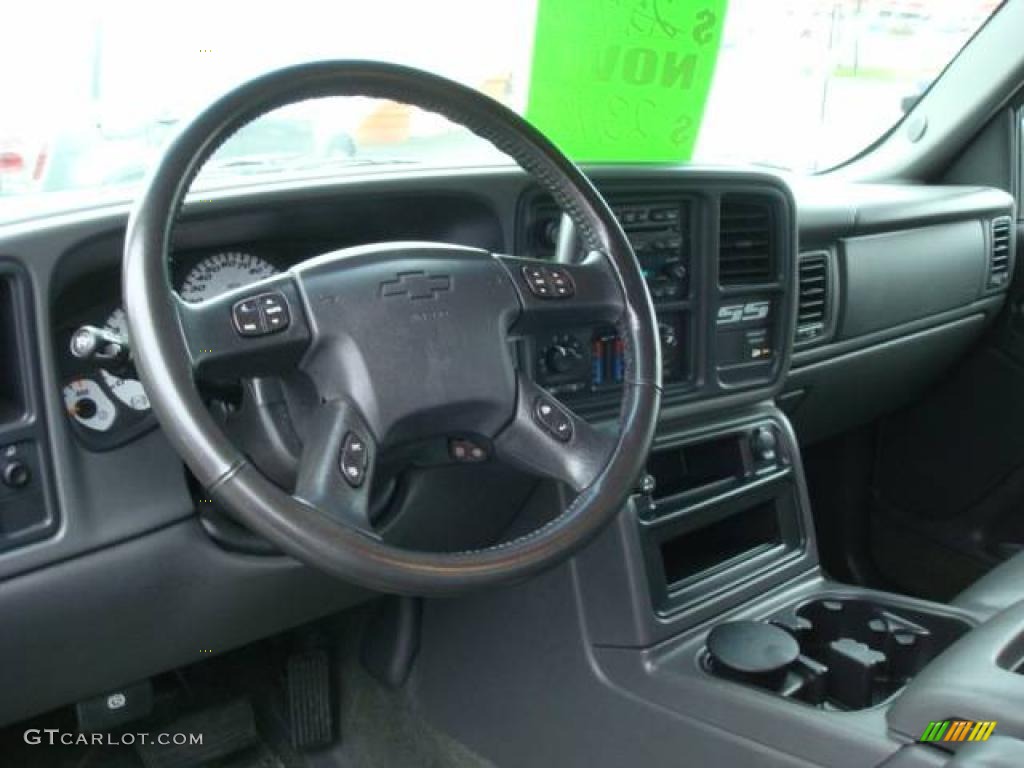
[[725, 322], [721, 508], [707, 599]]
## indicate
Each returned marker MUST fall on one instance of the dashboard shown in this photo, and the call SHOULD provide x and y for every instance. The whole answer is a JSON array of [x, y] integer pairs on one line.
[[741, 292], [805, 292]]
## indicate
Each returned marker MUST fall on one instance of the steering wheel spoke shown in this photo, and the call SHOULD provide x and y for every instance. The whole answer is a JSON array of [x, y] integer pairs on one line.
[[565, 293], [256, 331], [337, 464], [546, 438]]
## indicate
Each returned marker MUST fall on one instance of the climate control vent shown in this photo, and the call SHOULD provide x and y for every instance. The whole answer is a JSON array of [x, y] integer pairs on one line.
[[813, 296], [746, 250], [999, 266]]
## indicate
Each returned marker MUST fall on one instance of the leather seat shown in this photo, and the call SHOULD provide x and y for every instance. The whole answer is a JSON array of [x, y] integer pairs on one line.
[[998, 589]]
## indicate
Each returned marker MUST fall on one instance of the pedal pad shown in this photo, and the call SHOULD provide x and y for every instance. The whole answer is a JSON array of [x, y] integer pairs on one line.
[[225, 730], [310, 706]]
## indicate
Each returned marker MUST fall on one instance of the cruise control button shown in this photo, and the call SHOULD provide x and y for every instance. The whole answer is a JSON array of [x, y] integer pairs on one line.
[[534, 273], [561, 281], [549, 282], [247, 318], [354, 459], [553, 419], [275, 312], [260, 315]]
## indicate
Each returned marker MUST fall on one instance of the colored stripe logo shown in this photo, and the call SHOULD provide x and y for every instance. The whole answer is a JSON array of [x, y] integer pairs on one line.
[[958, 730]]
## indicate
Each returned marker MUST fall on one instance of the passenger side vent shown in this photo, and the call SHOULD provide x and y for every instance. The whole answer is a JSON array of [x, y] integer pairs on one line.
[[746, 249], [812, 298], [999, 266]]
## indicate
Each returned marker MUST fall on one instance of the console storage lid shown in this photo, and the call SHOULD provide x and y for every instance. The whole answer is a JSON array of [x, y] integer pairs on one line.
[[977, 678]]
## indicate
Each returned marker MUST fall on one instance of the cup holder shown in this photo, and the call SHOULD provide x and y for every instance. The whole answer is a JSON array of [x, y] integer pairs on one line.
[[852, 654]]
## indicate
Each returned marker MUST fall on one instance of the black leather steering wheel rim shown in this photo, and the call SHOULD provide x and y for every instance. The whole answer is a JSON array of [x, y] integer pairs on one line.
[[166, 361]]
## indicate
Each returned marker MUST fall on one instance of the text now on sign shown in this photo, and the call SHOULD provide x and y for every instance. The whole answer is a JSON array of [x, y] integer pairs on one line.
[[624, 80]]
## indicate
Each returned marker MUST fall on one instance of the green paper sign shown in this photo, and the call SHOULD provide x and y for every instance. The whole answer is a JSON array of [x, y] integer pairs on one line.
[[624, 80]]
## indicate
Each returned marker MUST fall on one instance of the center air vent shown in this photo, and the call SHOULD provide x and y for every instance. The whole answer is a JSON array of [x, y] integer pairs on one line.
[[999, 267], [812, 300], [746, 248]]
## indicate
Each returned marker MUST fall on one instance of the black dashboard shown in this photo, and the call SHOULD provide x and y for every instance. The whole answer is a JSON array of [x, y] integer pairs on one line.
[[751, 275], [802, 291]]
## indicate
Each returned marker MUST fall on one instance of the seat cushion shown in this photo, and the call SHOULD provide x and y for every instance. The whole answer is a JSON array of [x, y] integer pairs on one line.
[[998, 589]]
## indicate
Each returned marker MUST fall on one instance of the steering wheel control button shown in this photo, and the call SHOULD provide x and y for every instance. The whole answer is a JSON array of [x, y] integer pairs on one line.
[[246, 315], [274, 309], [261, 315], [553, 419], [549, 282], [354, 459], [561, 282], [466, 451]]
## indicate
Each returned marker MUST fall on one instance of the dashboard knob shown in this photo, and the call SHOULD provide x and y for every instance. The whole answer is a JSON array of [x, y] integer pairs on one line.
[[764, 444], [678, 271], [561, 359], [100, 345], [16, 474], [668, 335]]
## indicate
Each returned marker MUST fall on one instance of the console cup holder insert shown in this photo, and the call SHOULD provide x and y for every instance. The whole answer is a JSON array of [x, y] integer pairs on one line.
[[849, 653]]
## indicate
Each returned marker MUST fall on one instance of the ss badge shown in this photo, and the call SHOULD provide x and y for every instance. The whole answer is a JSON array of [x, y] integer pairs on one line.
[[734, 314]]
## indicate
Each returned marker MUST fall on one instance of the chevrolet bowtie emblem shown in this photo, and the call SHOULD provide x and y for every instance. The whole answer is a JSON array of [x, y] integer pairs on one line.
[[416, 285]]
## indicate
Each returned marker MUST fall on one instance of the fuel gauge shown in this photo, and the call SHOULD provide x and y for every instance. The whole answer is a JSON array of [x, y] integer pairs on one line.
[[88, 404]]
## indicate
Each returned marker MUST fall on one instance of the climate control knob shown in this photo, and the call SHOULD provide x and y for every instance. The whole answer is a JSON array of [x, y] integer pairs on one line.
[[561, 359]]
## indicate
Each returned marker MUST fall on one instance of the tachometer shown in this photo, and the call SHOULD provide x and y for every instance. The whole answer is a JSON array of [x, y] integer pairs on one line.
[[88, 404], [223, 272], [129, 391]]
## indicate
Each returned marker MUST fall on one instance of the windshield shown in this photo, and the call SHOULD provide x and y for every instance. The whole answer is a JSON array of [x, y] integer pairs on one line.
[[89, 102]]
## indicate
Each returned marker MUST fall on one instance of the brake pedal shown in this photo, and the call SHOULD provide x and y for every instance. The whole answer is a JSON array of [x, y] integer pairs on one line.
[[310, 700]]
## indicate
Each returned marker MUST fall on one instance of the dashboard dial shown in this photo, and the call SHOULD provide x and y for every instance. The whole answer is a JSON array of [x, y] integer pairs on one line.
[[88, 404], [129, 391], [223, 272]]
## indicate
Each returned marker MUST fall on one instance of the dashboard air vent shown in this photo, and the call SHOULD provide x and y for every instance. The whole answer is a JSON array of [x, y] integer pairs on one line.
[[812, 300], [746, 241], [999, 266]]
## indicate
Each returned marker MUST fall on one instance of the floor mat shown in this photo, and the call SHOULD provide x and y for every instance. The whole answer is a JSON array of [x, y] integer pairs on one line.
[[378, 727]]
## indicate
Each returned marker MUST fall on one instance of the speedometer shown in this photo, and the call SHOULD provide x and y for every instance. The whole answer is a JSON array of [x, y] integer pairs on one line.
[[223, 272]]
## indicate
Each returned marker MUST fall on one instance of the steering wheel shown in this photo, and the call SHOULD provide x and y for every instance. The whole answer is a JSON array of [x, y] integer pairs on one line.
[[395, 342]]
